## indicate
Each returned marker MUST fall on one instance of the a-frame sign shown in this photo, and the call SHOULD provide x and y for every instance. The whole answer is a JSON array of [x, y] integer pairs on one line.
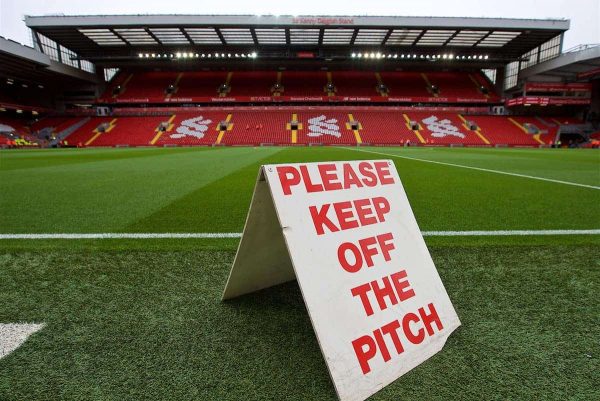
[[346, 232]]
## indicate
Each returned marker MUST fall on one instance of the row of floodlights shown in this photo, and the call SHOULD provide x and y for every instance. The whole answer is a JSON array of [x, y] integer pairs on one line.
[[19, 111], [413, 56], [185, 55], [10, 81]]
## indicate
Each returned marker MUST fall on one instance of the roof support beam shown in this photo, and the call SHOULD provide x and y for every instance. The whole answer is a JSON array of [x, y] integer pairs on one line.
[[254, 38], [354, 34], [482, 38], [36, 41], [321, 34], [119, 36], [287, 37], [451, 37], [387, 36], [419, 37], [153, 36], [220, 35], [187, 36]]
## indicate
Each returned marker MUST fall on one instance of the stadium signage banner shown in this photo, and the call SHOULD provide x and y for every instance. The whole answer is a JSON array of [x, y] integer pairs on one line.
[[588, 74], [557, 87], [315, 99], [545, 101], [346, 232]]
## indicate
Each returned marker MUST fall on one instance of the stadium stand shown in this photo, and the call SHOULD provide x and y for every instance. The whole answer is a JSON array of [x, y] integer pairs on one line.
[[546, 132], [405, 84], [53, 125], [255, 83], [444, 128], [147, 85], [500, 130], [8, 124], [4, 141], [326, 127], [455, 84], [114, 88], [267, 90], [323, 125], [385, 128], [355, 83], [566, 120], [194, 84], [128, 131], [17, 133], [88, 132], [159, 87], [122, 131], [188, 129], [304, 83], [256, 128]]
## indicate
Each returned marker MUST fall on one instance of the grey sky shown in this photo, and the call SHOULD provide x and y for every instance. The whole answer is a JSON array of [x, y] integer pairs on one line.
[[584, 14]]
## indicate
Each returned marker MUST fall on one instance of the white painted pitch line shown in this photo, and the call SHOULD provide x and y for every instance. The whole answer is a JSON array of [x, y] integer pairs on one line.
[[120, 235], [476, 233], [13, 335], [507, 233], [575, 184]]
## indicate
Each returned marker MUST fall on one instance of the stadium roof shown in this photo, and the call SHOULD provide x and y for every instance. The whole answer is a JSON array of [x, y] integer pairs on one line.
[[107, 39], [578, 64], [29, 65]]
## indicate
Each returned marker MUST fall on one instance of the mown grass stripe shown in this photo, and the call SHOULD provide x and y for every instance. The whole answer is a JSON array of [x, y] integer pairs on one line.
[[475, 233], [479, 169]]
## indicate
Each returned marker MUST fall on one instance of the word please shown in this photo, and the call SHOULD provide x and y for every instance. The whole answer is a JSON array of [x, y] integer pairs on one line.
[[332, 177]]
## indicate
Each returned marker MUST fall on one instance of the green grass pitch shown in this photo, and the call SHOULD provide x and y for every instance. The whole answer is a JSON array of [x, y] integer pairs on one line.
[[142, 319]]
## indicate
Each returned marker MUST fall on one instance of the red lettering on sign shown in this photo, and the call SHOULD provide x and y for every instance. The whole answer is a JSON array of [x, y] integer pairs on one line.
[[343, 212], [381, 345], [332, 179], [320, 219], [350, 177], [366, 170], [383, 172], [288, 176], [364, 252], [382, 206], [342, 258], [367, 250], [351, 214], [415, 338], [370, 345], [329, 177], [363, 210], [392, 330], [392, 287], [363, 355], [430, 318], [402, 285], [387, 290], [310, 187], [362, 291], [386, 244]]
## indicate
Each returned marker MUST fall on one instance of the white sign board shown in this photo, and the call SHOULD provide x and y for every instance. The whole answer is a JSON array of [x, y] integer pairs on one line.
[[346, 232]]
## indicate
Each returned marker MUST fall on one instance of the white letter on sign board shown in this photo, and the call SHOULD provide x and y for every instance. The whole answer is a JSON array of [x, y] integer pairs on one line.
[[346, 232]]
